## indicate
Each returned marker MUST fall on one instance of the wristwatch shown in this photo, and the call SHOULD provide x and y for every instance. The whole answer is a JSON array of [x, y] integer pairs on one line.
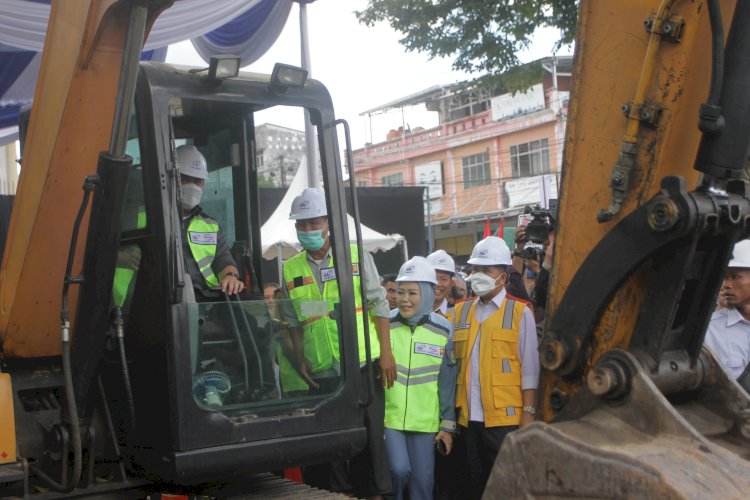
[[230, 273], [529, 409]]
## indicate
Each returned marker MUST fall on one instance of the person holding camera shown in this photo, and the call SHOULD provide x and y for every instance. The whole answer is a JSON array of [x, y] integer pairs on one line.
[[419, 408], [538, 261]]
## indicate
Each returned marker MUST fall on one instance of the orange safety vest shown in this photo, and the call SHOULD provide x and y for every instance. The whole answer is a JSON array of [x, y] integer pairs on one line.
[[499, 366]]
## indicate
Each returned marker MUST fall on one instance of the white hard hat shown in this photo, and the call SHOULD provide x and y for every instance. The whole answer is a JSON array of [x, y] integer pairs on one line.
[[308, 205], [191, 162], [417, 269], [491, 251], [740, 255], [441, 261]]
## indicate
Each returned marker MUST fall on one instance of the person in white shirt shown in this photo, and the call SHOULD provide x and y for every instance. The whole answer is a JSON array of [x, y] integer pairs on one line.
[[445, 269], [728, 333], [498, 360]]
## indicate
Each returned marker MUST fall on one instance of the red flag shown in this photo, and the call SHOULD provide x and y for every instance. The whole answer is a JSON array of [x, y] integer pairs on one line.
[[487, 228], [500, 228]]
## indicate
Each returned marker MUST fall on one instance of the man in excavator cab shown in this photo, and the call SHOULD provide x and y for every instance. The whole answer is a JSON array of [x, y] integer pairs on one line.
[[211, 265]]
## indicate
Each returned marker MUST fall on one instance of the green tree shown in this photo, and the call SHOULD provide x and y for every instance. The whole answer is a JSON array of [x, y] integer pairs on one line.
[[483, 36]]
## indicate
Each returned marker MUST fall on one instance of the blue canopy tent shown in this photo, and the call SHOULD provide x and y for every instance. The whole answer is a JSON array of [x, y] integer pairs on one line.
[[247, 28]]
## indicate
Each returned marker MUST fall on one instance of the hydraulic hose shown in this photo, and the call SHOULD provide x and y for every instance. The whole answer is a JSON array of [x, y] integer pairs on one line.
[[717, 52], [723, 150], [711, 119], [236, 331], [255, 345], [120, 332], [75, 431]]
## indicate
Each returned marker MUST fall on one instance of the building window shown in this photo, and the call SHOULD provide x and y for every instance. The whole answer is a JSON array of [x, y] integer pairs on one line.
[[396, 179], [531, 158], [476, 170]]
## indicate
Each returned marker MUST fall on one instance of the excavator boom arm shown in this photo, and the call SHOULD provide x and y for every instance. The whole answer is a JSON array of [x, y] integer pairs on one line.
[[75, 104]]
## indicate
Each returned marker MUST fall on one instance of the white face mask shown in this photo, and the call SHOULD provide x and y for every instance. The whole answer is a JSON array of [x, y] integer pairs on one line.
[[191, 195], [482, 283]]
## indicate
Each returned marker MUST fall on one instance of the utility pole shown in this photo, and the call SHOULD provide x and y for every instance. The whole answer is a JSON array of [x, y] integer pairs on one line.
[[429, 219], [313, 179]]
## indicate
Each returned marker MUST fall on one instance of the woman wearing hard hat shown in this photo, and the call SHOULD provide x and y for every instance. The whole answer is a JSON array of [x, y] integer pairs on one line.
[[419, 408]]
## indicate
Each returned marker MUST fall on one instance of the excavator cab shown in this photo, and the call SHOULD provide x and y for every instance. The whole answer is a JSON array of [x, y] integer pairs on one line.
[[187, 385], [203, 366]]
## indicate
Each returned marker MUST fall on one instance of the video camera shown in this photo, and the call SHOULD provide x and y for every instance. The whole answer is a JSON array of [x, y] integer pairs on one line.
[[542, 221], [532, 253]]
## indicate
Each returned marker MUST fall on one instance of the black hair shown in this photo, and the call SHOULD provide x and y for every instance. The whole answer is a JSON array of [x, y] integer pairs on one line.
[[389, 277]]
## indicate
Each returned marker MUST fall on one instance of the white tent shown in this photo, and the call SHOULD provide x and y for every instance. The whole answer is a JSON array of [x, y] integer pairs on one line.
[[280, 238]]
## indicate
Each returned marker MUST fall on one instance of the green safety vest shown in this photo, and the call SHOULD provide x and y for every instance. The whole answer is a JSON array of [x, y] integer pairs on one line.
[[123, 275], [202, 237], [290, 379], [321, 336], [413, 403]]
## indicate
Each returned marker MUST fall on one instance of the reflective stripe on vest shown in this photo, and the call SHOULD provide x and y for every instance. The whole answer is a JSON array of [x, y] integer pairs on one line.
[[413, 403], [321, 337], [202, 236], [124, 275], [499, 366]]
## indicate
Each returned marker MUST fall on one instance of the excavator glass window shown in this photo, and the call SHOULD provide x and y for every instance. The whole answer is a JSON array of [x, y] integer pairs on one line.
[[133, 223], [242, 346]]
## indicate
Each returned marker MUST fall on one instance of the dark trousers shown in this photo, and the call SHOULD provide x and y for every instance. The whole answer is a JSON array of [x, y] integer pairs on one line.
[[452, 471], [482, 445]]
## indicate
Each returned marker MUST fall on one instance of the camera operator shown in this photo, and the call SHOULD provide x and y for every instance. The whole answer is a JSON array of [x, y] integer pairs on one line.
[[541, 283], [532, 256]]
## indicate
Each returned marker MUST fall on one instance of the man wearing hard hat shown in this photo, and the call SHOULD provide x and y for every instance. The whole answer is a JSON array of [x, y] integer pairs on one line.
[[498, 361], [728, 334], [204, 245], [445, 269], [309, 281]]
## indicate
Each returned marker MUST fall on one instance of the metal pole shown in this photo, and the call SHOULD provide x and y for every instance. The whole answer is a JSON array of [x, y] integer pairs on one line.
[[279, 263], [131, 55], [313, 179], [429, 220]]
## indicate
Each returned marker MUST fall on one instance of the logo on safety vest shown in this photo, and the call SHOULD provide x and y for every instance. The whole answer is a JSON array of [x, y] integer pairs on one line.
[[203, 238], [429, 349], [327, 274]]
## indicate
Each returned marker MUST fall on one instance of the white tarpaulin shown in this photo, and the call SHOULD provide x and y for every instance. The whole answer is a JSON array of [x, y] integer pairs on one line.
[[280, 238], [23, 23]]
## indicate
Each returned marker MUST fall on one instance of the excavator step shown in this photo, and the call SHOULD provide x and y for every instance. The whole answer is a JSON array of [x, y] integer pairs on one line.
[[266, 486]]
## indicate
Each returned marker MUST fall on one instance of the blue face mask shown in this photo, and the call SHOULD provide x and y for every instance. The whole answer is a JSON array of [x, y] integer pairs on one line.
[[311, 240]]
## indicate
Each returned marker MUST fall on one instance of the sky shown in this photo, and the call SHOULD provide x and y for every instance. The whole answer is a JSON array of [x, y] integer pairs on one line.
[[362, 67]]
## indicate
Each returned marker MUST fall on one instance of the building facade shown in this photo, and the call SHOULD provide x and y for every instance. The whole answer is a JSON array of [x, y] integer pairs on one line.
[[278, 150], [491, 156]]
